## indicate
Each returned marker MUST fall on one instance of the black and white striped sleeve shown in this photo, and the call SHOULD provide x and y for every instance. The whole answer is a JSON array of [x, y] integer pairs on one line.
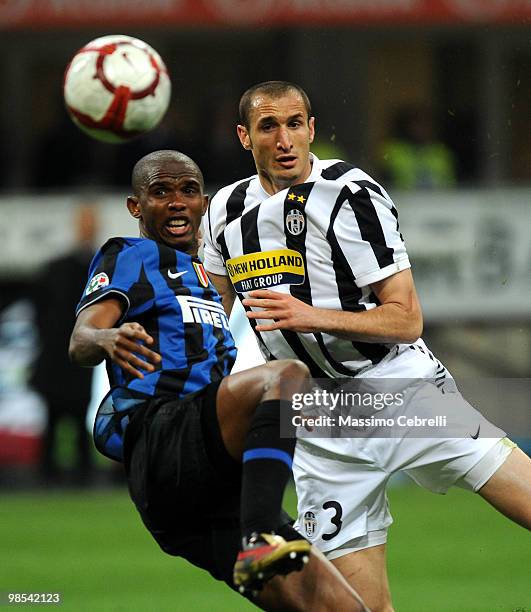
[[213, 225], [364, 227]]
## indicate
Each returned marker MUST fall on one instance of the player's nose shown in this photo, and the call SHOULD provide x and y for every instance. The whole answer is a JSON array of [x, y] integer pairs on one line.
[[284, 140], [177, 204]]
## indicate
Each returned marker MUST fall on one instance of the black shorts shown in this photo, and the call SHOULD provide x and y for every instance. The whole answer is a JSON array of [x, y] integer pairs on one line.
[[190, 508], [184, 483]]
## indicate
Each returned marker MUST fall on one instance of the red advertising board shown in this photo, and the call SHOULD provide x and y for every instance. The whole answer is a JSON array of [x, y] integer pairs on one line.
[[37, 14]]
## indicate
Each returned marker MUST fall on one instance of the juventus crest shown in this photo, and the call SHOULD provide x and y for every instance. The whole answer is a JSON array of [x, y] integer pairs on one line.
[[295, 222]]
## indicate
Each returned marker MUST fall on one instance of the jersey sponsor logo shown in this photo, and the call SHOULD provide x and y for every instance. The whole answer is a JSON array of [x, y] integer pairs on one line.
[[174, 275], [267, 269], [201, 274], [197, 310], [97, 282], [295, 222], [310, 523]]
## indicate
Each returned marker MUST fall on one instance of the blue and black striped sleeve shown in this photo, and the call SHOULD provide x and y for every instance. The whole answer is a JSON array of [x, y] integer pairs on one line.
[[117, 271]]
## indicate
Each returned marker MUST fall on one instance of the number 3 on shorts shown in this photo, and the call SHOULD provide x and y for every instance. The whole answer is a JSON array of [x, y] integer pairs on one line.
[[335, 520]]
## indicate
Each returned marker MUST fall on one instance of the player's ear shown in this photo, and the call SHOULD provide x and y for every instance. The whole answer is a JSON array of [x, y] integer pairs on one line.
[[133, 206], [205, 205], [243, 135], [311, 125]]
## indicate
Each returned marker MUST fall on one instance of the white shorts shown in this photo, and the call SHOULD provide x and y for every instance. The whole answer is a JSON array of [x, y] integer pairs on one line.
[[341, 482]]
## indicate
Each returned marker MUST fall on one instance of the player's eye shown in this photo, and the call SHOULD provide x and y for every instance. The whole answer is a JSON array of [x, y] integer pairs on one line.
[[189, 187], [295, 123], [159, 190]]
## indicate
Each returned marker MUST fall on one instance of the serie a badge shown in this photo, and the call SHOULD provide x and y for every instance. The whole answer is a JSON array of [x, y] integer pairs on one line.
[[97, 282], [201, 274]]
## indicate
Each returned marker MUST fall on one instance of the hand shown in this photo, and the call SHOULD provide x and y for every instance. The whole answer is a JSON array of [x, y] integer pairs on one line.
[[285, 311], [124, 344]]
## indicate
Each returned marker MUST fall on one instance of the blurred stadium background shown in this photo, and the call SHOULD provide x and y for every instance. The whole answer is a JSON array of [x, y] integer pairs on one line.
[[463, 65]]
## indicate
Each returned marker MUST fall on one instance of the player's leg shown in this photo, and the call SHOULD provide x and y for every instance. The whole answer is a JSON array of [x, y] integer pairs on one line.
[[319, 588], [366, 571], [249, 406], [343, 509], [491, 465], [509, 488], [239, 395]]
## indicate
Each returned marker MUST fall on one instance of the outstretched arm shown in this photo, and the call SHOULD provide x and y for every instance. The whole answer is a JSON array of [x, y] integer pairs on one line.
[[398, 319], [95, 338]]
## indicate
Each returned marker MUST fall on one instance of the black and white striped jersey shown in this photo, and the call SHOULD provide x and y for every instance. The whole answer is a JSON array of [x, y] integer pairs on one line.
[[324, 241]]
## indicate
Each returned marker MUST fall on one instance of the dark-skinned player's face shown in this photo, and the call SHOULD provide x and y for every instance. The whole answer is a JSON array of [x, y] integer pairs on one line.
[[170, 205]]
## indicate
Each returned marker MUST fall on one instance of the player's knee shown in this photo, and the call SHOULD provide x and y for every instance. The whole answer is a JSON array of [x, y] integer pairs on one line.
[[293, 369], [287, 376]]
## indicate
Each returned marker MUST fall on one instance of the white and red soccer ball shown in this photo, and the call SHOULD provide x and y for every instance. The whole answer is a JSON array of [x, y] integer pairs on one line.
[[116, 87]]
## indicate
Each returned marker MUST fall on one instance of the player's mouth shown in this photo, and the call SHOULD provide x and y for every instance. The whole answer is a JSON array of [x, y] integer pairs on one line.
[[177, 226], [287, 161]]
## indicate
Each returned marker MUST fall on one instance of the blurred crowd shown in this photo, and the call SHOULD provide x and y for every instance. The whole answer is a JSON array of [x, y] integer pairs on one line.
[[412, 156]]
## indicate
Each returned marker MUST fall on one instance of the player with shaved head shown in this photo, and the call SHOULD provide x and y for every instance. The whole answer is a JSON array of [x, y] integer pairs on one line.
[[205, 463]]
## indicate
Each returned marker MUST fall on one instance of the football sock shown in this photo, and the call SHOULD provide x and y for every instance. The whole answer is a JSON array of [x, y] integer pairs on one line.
[[267, 460]]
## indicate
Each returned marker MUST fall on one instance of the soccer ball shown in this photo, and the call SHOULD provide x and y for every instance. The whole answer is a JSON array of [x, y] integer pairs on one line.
[[116, 87]]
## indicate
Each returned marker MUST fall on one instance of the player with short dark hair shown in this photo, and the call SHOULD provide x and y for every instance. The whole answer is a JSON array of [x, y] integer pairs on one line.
[[314, 251], [179, 422], [271, 89]]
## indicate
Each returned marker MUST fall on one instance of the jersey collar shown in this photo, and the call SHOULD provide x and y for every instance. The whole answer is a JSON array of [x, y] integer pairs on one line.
[[316, 169]]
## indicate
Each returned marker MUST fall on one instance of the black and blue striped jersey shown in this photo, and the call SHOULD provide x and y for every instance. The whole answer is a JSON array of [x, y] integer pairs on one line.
[[168, 293]]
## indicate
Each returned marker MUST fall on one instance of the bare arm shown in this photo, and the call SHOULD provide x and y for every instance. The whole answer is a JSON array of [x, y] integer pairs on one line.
[[397, 320], [94, 338], [225, 289]]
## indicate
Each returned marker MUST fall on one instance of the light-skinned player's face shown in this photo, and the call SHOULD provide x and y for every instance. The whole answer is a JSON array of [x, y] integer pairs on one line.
[[170, 205], [279, 137]]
